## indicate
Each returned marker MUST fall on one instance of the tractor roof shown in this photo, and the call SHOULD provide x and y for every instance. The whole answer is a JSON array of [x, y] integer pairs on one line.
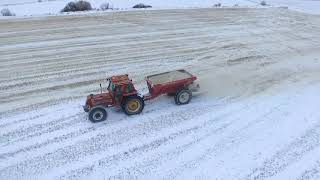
[[120, 79]]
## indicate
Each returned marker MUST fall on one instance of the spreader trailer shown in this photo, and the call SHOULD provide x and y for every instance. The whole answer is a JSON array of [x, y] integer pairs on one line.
[[121, 93]]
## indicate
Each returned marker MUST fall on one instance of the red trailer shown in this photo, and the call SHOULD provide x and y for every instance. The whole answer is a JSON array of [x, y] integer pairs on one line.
[[122, 93]]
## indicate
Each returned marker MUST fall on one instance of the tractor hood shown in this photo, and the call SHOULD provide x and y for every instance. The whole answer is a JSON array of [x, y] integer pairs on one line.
[[103, 99], [99, 96]]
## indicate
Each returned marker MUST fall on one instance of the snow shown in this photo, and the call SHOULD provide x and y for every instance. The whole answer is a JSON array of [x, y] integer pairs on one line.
[[256, 117], [53, 7], [307, 6]]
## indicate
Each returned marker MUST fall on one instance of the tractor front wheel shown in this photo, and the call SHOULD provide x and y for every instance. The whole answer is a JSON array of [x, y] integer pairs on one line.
[[133, 105], [98, 114]]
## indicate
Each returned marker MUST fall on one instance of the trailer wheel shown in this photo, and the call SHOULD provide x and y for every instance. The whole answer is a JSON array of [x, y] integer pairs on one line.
[[183, 96], [98, 114], [133, 105]]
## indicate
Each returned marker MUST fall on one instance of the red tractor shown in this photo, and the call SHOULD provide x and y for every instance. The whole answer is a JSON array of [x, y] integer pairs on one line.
[[122, 93]]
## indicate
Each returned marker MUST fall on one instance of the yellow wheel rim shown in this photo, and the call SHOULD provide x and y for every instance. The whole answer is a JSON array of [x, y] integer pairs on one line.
[[133, 105]]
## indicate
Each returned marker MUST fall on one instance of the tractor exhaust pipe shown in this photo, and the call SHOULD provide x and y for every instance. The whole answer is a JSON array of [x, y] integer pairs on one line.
[[100, 88]]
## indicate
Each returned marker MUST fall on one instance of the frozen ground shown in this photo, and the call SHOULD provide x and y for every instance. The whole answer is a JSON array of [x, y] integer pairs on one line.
[[259, 117], [53, 7]]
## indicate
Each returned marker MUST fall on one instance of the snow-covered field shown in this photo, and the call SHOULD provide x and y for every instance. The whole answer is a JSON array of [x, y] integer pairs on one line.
[[258, 118], [53, 7]]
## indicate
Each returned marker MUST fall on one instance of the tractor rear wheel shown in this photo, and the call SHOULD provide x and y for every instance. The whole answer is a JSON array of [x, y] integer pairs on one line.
[[98, 114], [183, 96], [133, 105]]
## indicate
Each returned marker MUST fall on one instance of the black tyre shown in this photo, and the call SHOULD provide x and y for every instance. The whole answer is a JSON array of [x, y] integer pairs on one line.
[[133, 105], [183, 96], [97, 114]]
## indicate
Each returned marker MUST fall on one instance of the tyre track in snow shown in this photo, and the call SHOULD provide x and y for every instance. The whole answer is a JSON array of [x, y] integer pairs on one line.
[[40, 129], [291, 154], [313, 173]]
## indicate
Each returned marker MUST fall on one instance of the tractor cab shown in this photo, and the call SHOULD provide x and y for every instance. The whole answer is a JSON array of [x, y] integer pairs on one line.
[[120, 86]]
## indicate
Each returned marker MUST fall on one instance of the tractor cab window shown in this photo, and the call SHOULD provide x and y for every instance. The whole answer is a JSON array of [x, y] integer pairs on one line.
[[111, 87], [118, 93], [129, 88]]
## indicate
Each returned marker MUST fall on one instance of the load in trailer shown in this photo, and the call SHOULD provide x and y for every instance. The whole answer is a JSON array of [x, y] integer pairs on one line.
[[122, 93]]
